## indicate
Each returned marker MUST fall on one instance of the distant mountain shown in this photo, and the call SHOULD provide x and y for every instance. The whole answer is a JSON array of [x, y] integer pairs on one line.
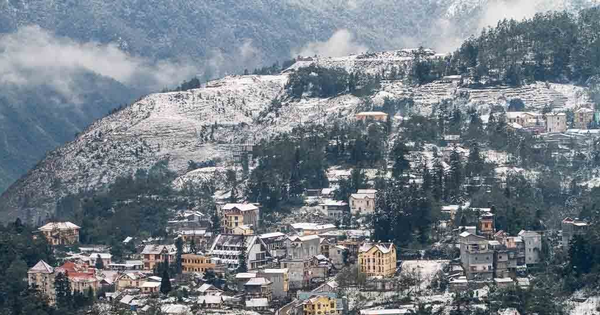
[[210, 38]]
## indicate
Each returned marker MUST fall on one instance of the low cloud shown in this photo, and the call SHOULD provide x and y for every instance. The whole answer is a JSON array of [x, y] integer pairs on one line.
[[496, 11], [341, 43], [33, 56]]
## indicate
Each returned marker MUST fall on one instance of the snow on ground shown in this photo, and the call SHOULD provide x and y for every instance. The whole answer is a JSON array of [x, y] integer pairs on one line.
[[589, 307], [425, 270]]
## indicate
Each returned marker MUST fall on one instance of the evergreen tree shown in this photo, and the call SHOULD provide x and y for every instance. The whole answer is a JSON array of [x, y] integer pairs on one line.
[[401, 163], [475, 163], [438, 180], [455, 177], [165, 282], [579, 255], [62, 288], [178, 259], [193, 248], [242, 259], [216, 223], [99, 263]]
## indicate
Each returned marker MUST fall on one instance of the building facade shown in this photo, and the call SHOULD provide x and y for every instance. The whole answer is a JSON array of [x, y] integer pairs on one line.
[[41, 277], [237, 214], [60, 233], [556, 122], [571, 227], [196, 263], [363, 201], [154, 254], [476, 256], [377, 260]]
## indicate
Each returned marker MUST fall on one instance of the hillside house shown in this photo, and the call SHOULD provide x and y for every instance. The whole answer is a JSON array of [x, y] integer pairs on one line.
[[302, 247], [41, 276], [524, 119], [280, 281], [377, 260], [533, 246], [363, 201], [227, 249], [105, 257], [312, 228], [238, 214], [583, 118], [570, 228], [154, 254], [60, 233], [476, 256], [81, 277], [320, 304], [556, 122], [275, 243], [333, 209], [130, 280], [375, 116], [258, 288]]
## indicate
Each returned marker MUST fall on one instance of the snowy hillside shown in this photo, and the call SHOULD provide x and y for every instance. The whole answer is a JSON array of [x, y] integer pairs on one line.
[[211, 123]]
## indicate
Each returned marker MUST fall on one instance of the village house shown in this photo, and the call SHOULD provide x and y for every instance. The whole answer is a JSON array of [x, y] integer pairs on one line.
[[196, 263], [209, 289], [524, 119], [130, 280], [258, 288], [333, 209], [533, 246], [211, 301], [571, 227], [60, 233], [227, 249], [243, 230], [476, 256], [280, 281], [41, 276], [377, 260], [363, 201], [487, 225], [376, 116], [237, 214], [257, 304], [583, 118], [201, 238], [242, 277], [275, 243], [81, 277], [302, 247], [154, 254], [556, 122], [337, 255], [128, 265], [150, 287], [320, 305]]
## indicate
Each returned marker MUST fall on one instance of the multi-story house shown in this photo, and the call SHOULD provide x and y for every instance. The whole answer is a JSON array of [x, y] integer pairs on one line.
[[227, 250], [583, 117], [275, 243], [476, 256], [81, 277], [196, 263], [154, 254], [375, 116], [377, 260], [258, 288], [333, 209], [280, 281], [533, 246], [570, 228], [556, 122], [302, 247], [501, 262], [200, 237], [60, 233], [320, 305], [311, 228], [41, 277], [105, 257], [130, 280], [363, 201], [237, 214]]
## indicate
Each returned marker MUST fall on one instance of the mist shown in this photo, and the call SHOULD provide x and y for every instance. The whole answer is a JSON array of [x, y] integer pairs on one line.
[[341, 43], [33, 56]]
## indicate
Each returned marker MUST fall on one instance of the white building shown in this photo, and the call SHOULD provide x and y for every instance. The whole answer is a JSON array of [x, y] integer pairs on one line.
[[556, 122], [363, 201]]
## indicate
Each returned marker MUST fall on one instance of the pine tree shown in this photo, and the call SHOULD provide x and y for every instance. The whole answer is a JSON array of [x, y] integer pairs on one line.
[[99, 263], [165, 282], [193, 248], [62, 287], [401, 163], [475, 163], [242, 259], [178, 260], [216, 223]]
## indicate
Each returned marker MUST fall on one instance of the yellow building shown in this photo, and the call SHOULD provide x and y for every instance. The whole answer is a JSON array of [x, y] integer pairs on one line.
[[130, 280], [196, 263], [237, 215], [60, 233], [377, 260], [378, 116], [320, 305]]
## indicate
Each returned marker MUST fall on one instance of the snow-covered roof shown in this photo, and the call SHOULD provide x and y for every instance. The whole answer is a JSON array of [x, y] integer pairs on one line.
[[261, 302], [271, 235], [245, 275], [371, 114], [102, 255], [306, 238], [207, 287], [362, 196], [464, 234], [258, 281], [312, 226], [128, 239], [157, 249], [150, 284], [175, 309], [366, 191], [59, 226], [41, 267], [276, 271], [330, 202], [240, 206], [210, 299], [503, 280], [383, 247], [397, 311]]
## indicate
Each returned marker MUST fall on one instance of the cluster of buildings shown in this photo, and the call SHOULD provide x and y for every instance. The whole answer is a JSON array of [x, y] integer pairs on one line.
[[553, 122]]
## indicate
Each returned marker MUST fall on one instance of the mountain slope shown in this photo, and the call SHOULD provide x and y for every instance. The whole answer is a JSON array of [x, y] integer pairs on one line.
[[211, 123]]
